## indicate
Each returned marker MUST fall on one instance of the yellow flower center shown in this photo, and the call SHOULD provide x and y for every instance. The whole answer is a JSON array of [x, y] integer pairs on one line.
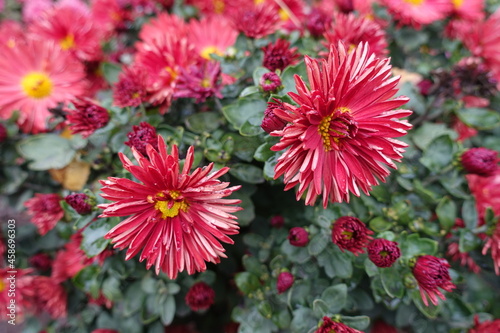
[[11, 43], [258, 2], [68, 42], [2, 285], [218, 6], [332, 128], [208, 50], [169, 205], [457, 3], [172, 72], [36, 84], [283, 14], [383, 254], [205, 83], [347, 234], [414, 2]]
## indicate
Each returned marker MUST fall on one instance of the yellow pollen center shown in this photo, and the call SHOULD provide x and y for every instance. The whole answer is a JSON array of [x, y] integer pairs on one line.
[[170, 208], [136, 95], [283, 14], [327, 131], [347, 234], [383, 254], [258, 2], [36, 84], [205, 83], [172, 72], [11, 43], [68, 42], [2, 285], [414, 2], [208, 50], [457, 3], [218, 6]]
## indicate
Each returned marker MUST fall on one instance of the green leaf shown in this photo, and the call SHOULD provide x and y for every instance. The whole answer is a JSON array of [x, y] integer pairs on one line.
[[428, 132], [446, 212], [249, 91], [357, 322], [410, 39], [468, 241], [47, 151], [303, 320], [167, 312], [93, 242], [370, 268], [342, 264], [414, 246], [111, 71], [111, 288], [247, 214], [247, 172], [264, 152], [335, 297], [247, 282], [392, 281], [244, 147], [439, 153], [317, 244], [251, 127], [287, 78], [469, 213], [257, 74], [479, 118], [203, 122], [265, 309], [320, 308], [239, 113], [379, 224]]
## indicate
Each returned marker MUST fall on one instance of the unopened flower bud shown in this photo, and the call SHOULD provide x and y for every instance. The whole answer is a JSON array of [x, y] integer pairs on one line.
[[383, 252], [285, 282], [270, 81], [79, 202], [277, 221], [298, 237], [480, 161], [271, 121], [200, 296]]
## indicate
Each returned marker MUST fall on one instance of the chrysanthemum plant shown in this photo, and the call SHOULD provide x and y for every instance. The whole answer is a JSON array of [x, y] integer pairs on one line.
[[250, 166]]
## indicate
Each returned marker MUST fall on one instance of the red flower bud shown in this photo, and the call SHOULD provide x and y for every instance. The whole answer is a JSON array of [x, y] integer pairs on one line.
[[349, 233], [200, 297], [298, 237], [88, 117], [277, 221], [285, 281], [270, 81], [480, 161], [383, 252], [271, 121], [79, 202]]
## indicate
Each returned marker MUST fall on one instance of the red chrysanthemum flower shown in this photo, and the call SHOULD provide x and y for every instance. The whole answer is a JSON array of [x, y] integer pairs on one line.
[[21, 283], [277, 221], [41, 261], [471, 10], [493, 244], [383, 252], [70, 260], [487, 326], [87, 117], [284, 282], [212, 35], [109, 16], [80, 202], [480, 161], [200, 81], [298, 236], [380, 326], [350, 234], [178, 219], [317, 21], [72, 29], [463, 258], [163, 25], [353, 30], [45, 211], [131, 88], [141, 136], [200, 296], [341, 134], [431, 273], [279, 55], [329, 326], [256, 21], [50, 296], [35, 76], [270, 81], [464, 132], [418, 12], [486, 191]]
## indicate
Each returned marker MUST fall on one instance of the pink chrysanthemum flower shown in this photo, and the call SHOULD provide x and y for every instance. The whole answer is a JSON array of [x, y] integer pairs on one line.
[[177, 219], [212, 35], [471, 10], [418, 12], [72, 29], [42, 77], [486, 191], [22, 283], [353, 30], [329, 326], [200, 296], [33, 9], [109, 16], [463, 258], [218, 7], [341, 135], [200, 81], [480, 161], [493, 244], [163, 25], [11, 32], [351, 234], [431, 273], [131, 88], [163, 60], [70, 260], [87, 117], [317, 21], [486, 326], [50, 296], [141, 136], [279, 55], [45, 211], [256, 21]]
